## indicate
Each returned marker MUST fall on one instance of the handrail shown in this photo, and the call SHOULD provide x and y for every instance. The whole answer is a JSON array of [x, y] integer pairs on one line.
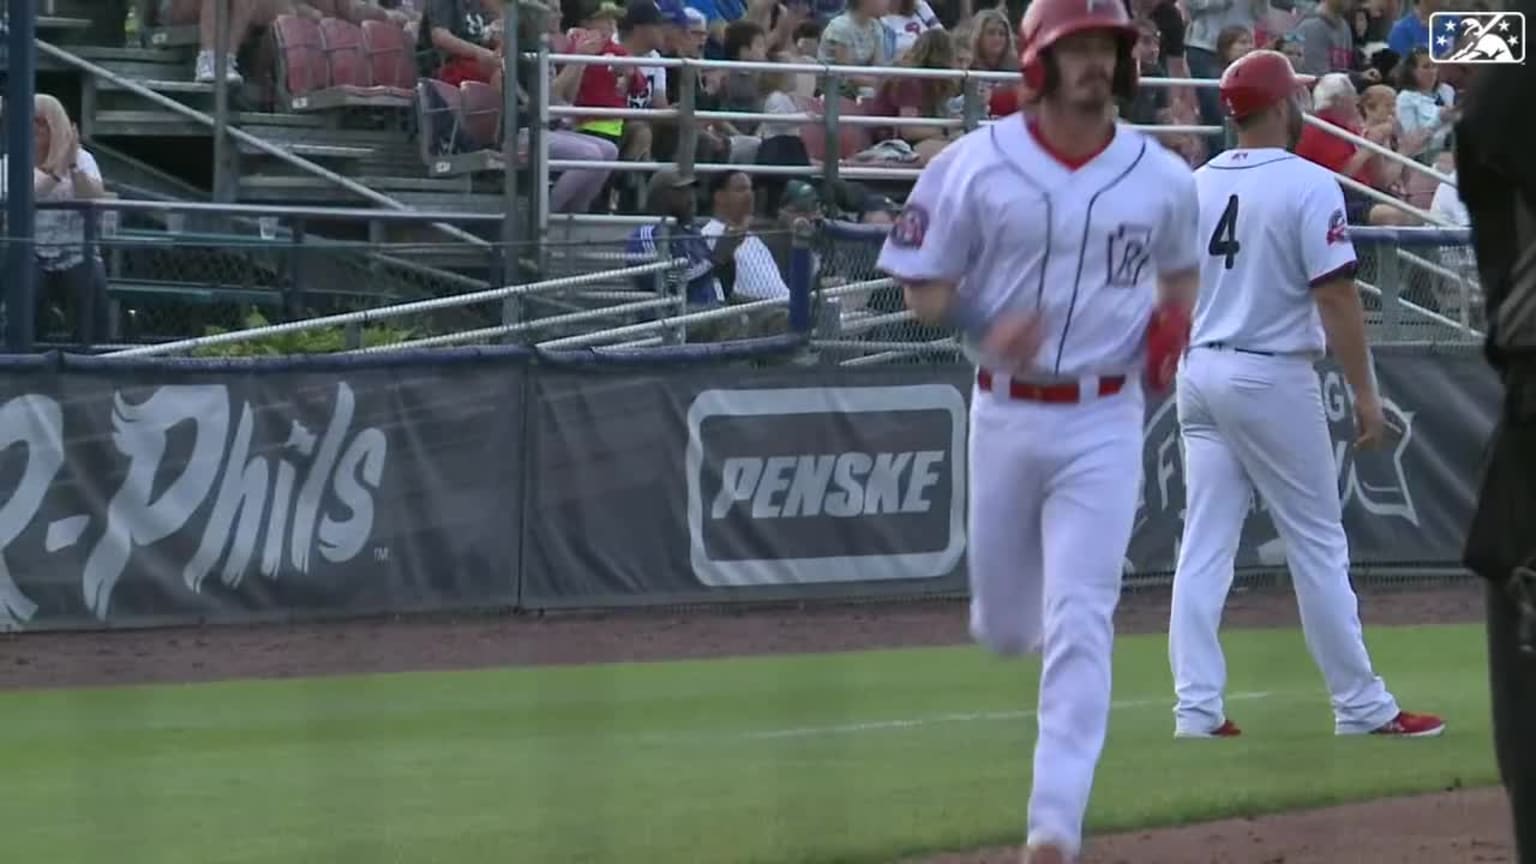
[[1385, 152], [359, 214], [806, 119], [1382, 197], [826, 69], [245, 137], [364, 316]]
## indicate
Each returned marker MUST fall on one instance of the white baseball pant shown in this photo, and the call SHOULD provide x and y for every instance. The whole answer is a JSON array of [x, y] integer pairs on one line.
[[1053, 499], [1257, 422]]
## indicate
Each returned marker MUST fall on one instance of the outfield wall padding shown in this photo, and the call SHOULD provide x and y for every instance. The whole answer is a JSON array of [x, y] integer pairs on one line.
[[149, 492]]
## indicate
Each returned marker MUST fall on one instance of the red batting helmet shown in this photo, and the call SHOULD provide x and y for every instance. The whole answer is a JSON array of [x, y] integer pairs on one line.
[[1046, 21], [1256, 81]]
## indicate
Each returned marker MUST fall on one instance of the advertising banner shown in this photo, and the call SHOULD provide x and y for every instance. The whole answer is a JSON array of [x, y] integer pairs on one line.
[[683, 485], [183, 494], [708, 485]]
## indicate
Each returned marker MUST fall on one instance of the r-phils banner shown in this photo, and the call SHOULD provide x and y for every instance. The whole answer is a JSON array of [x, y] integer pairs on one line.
[[180, 494]]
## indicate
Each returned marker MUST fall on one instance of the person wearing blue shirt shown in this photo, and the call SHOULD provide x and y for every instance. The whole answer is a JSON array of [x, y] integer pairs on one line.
[[1412, 30], [674, 197]]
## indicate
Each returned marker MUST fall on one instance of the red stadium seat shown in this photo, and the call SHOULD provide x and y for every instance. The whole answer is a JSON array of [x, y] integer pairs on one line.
[[344, 53], [302, 70], [852, 140], [481, 113], [326, 64], [390, 58]]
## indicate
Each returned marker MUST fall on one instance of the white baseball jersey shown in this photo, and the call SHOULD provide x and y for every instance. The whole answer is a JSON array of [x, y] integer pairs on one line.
[[1273, 226], [1014, 226]]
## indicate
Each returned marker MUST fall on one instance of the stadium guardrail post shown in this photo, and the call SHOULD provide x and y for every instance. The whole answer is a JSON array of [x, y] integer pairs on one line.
[[1389, 279], [802, 277], [687, 122], [293, 285], [970, 100], [831, 102], [20, 280], [224, 178], [86, 289]]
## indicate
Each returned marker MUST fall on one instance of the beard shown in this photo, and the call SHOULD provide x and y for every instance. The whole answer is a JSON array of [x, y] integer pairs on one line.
[[1293, 126]]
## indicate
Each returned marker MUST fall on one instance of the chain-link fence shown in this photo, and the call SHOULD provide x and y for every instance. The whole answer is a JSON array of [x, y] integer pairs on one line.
[[1420, 292]]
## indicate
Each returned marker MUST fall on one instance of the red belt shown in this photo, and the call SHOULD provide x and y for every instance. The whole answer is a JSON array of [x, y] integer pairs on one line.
[[1064, 392]]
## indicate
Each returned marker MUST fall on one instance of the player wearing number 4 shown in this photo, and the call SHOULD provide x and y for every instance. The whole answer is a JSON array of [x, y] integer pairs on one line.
[[1277, 281], [1064, 248]]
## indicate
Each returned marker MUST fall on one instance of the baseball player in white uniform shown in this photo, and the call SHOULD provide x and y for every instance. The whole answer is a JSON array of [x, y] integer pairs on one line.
[[1276, 288], [1063, 246]]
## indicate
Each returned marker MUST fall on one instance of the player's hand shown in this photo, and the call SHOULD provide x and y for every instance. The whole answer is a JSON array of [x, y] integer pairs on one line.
[[1370, 421], [1013, 340]]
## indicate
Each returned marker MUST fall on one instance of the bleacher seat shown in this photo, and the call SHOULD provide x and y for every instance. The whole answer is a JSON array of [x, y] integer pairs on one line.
[[460, 127], [481, 106], [301, 66], [329, 64], [391, 60], [852, 140]]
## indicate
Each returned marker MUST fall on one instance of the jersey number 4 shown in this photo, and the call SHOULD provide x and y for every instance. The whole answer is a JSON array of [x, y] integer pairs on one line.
[[1224, 239]]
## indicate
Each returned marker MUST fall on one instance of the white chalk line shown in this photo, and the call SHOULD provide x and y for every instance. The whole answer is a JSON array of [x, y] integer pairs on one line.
[[965, 717]]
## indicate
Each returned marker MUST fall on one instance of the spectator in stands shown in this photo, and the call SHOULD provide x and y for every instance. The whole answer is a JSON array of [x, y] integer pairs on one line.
[[1412, 30], [992, 50], [1207, 18], [1327, 42], [1289, 44], [642, 32], [1169, 22], [1335, 101], [719, 13], [742, 92], [1447, 203], [245, 18], [806, 46], [1232, 43], [1422, 104], [753, 273], [904, 22], [460, 42], [673, 197], [602, 18], [67, 271], [1380, 16], [780, 143], [856, 38], [798, 202], [925, 98], [1378, 106], [598, 86]]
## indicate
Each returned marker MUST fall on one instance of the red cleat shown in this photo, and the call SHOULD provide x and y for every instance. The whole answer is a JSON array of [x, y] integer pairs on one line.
[[1407, 725], [1227, 729]]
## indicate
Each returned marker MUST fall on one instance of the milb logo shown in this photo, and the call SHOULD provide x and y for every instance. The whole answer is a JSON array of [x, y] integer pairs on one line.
[[826, 484]]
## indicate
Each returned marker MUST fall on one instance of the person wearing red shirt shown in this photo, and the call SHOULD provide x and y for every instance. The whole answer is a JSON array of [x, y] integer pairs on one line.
[[1335, 101]]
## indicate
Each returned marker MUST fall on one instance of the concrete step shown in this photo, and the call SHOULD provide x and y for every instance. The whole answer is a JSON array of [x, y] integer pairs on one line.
[[168, 123], [310, 151]]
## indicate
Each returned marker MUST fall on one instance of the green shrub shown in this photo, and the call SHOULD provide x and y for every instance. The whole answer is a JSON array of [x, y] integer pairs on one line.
[[321, 340]]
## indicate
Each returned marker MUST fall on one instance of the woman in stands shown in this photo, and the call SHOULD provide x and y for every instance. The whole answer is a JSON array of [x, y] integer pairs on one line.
[[992, 49], [67, 272], [921, 98], [1422, 104]]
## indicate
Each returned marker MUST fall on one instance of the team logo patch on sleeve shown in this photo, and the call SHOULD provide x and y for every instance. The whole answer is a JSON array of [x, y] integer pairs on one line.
[[911, 226], [1338, 228]]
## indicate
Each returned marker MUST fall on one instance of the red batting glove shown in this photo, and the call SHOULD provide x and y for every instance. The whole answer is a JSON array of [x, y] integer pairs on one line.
[[1167, 337]]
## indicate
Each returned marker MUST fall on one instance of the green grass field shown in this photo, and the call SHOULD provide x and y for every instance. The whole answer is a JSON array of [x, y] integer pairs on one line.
[[847, 757]]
